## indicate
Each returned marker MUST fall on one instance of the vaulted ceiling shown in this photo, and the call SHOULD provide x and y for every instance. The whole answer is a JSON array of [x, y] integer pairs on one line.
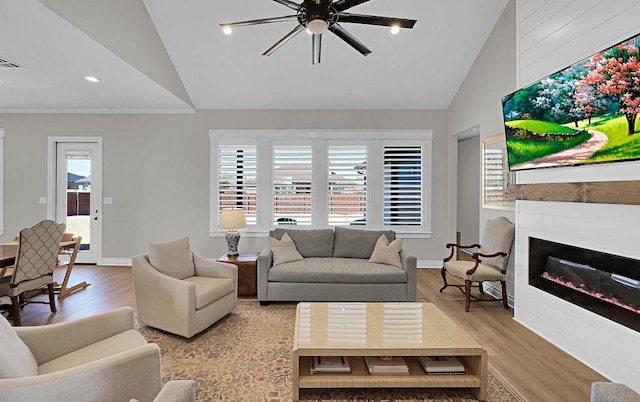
[[168, 56]]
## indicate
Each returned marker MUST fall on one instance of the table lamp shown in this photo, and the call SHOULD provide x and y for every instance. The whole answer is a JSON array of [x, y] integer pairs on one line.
[[232, 219]]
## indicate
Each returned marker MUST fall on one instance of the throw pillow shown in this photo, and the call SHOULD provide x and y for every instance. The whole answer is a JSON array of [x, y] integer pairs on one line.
[[16, 359], [284, 250], [172, 258], [385, 253]]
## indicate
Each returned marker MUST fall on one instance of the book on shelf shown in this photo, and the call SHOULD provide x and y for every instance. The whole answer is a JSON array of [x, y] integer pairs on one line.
[[386, 365], [441, 365], [330, 365]]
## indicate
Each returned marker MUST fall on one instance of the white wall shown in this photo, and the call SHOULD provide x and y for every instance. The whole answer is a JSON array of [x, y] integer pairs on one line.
[[156, 169], [553, 35], [468, 190], [478, 101]]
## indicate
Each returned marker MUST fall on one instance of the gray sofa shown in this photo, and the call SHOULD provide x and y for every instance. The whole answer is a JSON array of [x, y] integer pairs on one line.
[[335, 267]]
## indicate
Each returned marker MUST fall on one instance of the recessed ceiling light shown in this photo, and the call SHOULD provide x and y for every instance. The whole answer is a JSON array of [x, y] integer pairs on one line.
[[91, 78], [227, 30], [395, 30]]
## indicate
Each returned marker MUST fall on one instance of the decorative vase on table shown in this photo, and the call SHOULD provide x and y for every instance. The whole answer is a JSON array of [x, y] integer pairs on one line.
[[232, 219]]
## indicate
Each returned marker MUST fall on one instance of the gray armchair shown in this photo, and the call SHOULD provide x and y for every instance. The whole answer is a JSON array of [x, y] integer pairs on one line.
[[180, 292], [98, 358], [612, 392]]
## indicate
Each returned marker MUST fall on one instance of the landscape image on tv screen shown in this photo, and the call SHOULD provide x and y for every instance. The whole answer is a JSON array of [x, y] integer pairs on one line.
[[586, 113]]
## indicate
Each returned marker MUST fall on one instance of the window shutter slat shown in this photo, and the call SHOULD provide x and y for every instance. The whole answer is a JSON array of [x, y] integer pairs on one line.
[[402, 188], [494, 180], [237, 173], [347, 179], [292, 185]]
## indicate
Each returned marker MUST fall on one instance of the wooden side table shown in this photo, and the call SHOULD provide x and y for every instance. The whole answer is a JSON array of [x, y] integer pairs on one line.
[[247, 274]]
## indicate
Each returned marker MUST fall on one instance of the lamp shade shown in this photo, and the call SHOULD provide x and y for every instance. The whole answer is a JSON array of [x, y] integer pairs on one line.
[[232, 219]]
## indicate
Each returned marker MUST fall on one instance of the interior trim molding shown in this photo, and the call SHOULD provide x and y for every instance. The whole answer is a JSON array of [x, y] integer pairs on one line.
[[597, 192], [115, 261]]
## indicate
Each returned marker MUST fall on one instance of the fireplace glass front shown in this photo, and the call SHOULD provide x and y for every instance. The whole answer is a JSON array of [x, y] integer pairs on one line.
[[606, 284]]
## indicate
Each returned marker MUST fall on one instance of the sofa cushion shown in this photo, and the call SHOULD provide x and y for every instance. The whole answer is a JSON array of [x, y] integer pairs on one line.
[[387, 253], [172, 258], [208, 290], [16, 359], [336, 270], [483, 273], [358, 243], [284, 250], [310, 242], [121, 342]]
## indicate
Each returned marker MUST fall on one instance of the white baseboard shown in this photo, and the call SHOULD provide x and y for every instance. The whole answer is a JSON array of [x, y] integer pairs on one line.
[[430, 264], [497, 293], [115, 261]]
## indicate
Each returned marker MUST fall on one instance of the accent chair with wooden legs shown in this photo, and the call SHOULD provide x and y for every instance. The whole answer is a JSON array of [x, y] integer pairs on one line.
[[489, 261]]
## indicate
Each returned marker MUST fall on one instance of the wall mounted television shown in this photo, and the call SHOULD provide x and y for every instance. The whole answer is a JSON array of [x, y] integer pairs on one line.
[[583, 114]]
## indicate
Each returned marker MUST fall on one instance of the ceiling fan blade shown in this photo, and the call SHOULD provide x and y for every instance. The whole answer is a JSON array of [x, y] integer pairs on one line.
[[375, 20], [260, 21], [284, 40], [350, 39], [317, 48], [341, 5], [289, 4]]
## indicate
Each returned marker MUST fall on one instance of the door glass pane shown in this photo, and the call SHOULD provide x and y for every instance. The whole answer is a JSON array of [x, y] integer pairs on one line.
[[79, 195]]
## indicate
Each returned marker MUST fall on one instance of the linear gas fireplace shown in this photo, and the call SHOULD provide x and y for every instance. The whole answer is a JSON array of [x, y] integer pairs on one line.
[[605, 284]]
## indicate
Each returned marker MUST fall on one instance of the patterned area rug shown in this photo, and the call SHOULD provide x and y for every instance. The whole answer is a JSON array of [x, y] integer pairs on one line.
[[246, 356]]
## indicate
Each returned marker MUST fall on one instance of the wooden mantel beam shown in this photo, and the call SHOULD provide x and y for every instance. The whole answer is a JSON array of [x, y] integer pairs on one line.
[[598, 192]]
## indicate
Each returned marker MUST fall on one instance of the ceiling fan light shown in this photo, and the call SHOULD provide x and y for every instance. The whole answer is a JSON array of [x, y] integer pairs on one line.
[[227, 30], [395, 29], [317, 26]]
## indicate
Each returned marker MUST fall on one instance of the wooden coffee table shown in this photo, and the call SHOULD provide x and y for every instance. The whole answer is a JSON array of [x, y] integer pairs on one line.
[[383, 329]]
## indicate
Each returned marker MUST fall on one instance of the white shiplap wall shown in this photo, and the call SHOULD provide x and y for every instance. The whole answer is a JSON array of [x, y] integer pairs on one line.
[[554, 34], [551, 35]]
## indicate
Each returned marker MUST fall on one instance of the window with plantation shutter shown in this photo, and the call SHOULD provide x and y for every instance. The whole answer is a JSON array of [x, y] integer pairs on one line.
[[347, 180], [292, 183], [402, 185], [237, 179], [495, 173], [363, 179]]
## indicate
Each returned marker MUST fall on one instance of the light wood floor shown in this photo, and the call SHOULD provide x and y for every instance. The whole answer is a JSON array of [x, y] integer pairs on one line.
[[538, 370]]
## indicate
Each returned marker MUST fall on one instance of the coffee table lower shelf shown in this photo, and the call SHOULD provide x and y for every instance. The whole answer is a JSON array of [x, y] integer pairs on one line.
[[359, 377]]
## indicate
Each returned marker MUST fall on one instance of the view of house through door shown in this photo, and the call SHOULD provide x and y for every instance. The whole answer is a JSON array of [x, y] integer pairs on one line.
[[77, 195]]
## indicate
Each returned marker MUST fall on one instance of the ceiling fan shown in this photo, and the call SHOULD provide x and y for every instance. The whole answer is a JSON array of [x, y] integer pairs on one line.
[[320, 16]]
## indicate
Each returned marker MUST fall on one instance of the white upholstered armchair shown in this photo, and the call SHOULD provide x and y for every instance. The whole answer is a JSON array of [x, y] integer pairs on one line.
[[98, 358], [181, 292]]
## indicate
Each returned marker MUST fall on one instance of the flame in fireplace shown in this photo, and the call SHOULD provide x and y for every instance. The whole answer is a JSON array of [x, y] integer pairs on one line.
[[582, 289]]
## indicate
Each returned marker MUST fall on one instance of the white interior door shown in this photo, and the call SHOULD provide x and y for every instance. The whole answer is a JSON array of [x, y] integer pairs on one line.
[[77, 194]]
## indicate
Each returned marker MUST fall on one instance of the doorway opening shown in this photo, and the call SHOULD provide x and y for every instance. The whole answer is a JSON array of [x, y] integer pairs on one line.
[[74, 194]]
